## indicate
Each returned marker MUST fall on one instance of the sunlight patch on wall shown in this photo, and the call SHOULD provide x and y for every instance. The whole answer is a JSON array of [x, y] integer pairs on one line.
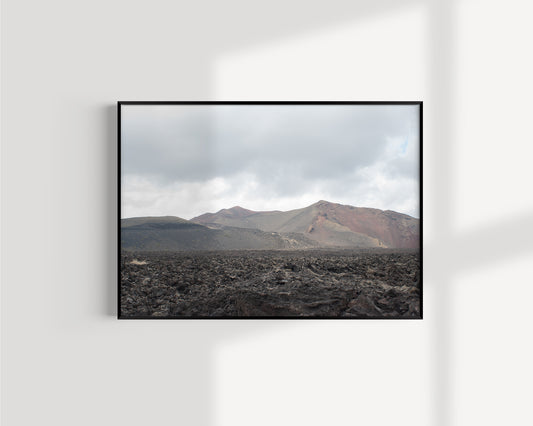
[[381, 58]]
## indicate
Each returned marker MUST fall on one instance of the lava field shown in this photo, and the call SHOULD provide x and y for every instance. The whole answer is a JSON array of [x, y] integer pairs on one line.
[[366, 283]]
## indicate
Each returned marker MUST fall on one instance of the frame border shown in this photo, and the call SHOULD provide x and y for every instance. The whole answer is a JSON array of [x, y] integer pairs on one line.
[[119, 202]]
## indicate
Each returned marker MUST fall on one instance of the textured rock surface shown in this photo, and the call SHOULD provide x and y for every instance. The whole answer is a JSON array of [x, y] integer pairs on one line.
[[315, 283]]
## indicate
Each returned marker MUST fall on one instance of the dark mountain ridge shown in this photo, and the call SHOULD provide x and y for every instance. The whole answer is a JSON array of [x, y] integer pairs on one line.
[[151, 234]]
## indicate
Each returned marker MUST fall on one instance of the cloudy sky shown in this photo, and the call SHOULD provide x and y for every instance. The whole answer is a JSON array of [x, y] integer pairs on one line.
[[185, 160]]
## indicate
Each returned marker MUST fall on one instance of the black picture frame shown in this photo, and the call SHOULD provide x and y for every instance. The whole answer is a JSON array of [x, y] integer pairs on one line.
[[121, 104]]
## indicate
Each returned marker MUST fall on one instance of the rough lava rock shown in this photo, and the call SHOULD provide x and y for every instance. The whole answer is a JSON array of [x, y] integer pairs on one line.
[[367, 283]]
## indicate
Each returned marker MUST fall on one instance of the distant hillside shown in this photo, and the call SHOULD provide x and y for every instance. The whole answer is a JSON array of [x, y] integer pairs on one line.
[[328, 224], [322, 224], [135, 221], [175, 234]]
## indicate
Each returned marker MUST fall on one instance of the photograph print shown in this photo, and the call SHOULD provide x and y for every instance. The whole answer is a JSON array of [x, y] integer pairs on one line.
[[270, 210]]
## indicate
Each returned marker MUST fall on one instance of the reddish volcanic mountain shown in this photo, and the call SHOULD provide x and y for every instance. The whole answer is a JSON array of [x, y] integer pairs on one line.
[[328, 224], [390, 228]]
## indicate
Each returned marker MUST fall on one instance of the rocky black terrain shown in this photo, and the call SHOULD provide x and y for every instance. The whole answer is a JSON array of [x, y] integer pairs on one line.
[[370, 283]]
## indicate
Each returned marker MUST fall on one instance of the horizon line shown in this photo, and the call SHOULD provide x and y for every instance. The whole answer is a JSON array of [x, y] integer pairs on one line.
[[268, 211]]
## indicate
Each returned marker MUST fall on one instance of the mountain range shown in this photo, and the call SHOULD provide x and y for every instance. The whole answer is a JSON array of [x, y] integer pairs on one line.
[[322, 224]]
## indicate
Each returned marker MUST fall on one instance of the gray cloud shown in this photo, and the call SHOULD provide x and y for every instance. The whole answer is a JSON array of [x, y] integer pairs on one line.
[[349, 152]]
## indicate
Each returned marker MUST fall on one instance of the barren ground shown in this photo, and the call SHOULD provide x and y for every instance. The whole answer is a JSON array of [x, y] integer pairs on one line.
[[309, 283]]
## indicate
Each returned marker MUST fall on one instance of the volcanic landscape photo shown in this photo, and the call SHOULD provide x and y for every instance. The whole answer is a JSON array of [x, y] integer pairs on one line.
[[263, 210]]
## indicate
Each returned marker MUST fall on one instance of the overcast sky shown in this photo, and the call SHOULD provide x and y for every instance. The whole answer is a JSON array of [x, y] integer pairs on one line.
[[186, 160]]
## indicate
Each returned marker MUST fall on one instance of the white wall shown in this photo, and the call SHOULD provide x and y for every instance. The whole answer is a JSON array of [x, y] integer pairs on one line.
[[66, 359]]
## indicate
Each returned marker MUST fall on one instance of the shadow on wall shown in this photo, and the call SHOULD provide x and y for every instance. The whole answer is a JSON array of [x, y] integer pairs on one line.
[[111, 213], [441, 19], [494, 243]]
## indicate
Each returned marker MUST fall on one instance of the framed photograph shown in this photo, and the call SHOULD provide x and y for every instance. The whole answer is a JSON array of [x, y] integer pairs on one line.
[[304, 210]]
